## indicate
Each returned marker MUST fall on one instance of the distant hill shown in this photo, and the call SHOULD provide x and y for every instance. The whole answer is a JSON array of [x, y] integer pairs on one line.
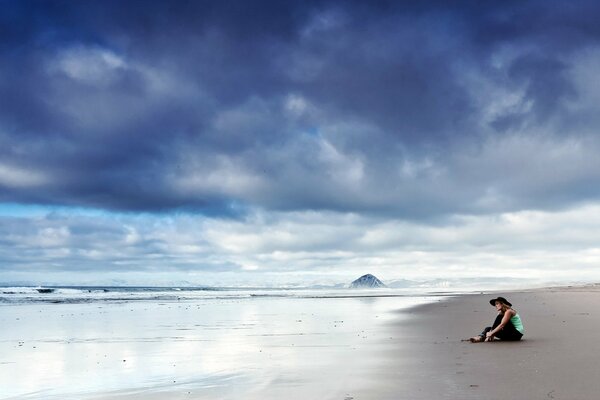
[[402, 283], [367, 281]]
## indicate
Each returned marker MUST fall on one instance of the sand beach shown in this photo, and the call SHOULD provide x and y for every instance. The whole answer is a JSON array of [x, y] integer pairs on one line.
[[298, 200], [556, 359], [349, 348]]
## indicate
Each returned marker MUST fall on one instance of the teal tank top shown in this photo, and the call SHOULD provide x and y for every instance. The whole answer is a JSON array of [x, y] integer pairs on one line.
[[516, 321]]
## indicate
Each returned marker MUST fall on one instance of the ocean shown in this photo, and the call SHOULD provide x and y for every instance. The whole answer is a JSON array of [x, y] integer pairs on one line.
[[112, 294], [203, 343]]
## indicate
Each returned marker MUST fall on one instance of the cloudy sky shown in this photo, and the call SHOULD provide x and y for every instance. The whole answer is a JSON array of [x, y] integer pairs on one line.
[[270, 142]]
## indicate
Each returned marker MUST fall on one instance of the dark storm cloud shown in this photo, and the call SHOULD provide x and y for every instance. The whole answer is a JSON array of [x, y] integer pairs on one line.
[[408, 109]]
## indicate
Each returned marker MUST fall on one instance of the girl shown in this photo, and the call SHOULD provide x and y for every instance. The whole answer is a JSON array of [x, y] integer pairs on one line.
[[507, 326]]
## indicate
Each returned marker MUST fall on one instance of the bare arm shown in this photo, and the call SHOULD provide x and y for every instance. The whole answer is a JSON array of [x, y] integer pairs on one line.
[[507, 316]]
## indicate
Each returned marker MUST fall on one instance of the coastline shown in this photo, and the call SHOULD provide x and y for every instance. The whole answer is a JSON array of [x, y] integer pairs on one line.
[[252, 347], [414, 352], [556, 359]]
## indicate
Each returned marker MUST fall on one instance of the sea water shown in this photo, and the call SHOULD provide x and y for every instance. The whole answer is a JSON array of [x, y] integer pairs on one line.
[[103, 342]]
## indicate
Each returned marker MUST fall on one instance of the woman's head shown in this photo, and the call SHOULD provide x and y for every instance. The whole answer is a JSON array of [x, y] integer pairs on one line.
[[501, 304]]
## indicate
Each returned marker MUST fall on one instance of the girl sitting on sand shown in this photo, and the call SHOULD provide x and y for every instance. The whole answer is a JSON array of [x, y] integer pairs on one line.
[[507, 326]]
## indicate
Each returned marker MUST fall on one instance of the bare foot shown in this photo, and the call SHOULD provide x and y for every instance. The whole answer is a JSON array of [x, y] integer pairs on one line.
[[476, 339]]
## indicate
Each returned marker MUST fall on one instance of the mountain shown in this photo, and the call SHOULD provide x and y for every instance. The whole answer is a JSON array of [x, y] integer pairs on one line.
[[402, 283], [367, 281]]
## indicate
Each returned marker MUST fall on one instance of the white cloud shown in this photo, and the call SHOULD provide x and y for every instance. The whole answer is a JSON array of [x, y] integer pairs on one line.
[[221, 175], [343, 168], [18, 177], [508, 172], [52, 237], [90, 65], [295, 105], [584, 74], [277, 248], [324, 21]]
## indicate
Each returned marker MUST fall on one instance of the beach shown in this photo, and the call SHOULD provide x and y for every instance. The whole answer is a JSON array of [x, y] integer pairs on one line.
[[302, 347], [205, 344], [556, 359]]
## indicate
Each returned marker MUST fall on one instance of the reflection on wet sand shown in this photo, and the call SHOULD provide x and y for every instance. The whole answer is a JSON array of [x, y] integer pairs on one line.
[[258, 347]]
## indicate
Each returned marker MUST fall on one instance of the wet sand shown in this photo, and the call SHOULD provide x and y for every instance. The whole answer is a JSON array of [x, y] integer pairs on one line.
[[556, 359], [301, 349], [250, 348]]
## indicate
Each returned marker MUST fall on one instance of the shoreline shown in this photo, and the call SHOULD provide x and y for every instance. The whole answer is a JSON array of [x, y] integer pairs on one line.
[[412, 353], [556, 359], [217, 348]]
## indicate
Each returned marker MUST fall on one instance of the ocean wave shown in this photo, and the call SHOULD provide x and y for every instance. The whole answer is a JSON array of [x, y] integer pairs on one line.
[[72, 295], [47, 290]]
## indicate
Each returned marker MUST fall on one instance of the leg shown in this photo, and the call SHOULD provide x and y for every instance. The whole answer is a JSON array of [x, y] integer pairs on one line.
[[509, 332], [481, 337], [497, 322]]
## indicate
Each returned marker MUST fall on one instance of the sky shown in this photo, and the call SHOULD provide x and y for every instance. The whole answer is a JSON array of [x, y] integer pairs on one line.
[[297, 143]]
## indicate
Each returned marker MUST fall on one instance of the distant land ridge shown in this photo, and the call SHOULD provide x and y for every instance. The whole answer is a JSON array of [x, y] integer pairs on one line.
[[367, 281]]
